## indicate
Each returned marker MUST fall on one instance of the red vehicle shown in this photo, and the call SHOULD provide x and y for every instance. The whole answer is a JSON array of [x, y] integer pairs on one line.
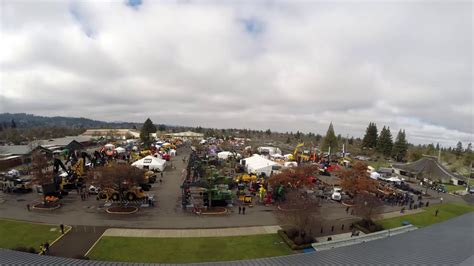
[[166, 157]]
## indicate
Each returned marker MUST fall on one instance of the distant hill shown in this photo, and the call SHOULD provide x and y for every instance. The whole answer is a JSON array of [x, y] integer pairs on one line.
[[23, 120]]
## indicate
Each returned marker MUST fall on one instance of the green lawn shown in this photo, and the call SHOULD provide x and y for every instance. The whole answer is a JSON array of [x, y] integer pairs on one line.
[[380, 163], [452, 188], [15, 233], [446, 211], [187, 250]]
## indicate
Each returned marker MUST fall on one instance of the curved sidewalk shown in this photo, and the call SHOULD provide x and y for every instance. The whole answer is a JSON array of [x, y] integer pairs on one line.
[[172, 233]]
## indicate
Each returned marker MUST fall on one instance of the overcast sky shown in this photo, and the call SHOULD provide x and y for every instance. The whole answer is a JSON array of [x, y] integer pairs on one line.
[[283, 65]]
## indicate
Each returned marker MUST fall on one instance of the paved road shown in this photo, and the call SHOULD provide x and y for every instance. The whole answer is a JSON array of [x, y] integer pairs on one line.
[[77, 242], [177, 233]]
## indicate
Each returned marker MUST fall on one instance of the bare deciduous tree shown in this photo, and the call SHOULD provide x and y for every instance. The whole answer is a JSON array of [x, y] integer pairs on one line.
[[40, 168], [367, 206], [300, 213], [118, 177]]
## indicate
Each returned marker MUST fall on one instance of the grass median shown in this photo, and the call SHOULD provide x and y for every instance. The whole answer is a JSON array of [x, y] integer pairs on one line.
[[422, 219], [15, 234], [187, 250]]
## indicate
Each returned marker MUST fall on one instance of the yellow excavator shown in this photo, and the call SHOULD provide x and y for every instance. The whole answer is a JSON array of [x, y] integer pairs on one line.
[[299, 155]]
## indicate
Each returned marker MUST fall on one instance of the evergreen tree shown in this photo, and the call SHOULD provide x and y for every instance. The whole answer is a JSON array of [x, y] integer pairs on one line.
[[370, 137], [147, 128], [385, 142], [437, 146], [318, 137], [330, 139], [400, 147], [351, 140], [469, 148], [459, 149], [13, 124]]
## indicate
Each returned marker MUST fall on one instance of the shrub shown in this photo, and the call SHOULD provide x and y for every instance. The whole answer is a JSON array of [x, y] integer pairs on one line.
[[25, 249], [292, 232], [307, 239], [298, 240]]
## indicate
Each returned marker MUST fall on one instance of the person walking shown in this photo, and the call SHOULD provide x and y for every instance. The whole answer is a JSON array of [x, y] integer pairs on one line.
[[347, 209], [61, 226], [240, 210], [46, 248], [243, 210], [28, 207], [441, 200], [436, 212]]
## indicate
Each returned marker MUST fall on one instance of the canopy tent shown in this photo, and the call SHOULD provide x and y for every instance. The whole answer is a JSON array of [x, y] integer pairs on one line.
[[269, 150], [226, 154], [258, 165], [374, 175], [120, 150], [150, 162], [394, 179]]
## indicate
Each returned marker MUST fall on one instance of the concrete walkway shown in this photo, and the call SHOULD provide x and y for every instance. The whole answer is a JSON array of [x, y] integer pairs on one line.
[[398, 214], [77, 241], [239, 231]]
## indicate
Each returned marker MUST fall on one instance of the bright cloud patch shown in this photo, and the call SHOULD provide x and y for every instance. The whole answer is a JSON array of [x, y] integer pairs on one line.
[[282, 65]]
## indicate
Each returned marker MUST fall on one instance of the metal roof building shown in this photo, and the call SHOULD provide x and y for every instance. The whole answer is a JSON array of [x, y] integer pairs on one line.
[[447, 243]]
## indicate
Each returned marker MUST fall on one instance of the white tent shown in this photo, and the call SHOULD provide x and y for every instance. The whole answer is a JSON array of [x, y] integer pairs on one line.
[[374, 175], [277, 156], [394, 179], [151, 163], [291, 164], [120, 150], [225, 154], [257, 164]]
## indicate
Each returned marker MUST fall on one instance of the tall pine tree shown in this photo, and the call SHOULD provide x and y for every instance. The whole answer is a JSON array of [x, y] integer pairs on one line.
[[330, 139], [147, 128], [370, 137], [385, 142], [400, 147], [458, 150]]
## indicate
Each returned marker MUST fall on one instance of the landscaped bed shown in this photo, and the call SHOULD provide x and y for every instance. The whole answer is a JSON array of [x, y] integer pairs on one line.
[[187, 250], [446, 211], [14, 234]]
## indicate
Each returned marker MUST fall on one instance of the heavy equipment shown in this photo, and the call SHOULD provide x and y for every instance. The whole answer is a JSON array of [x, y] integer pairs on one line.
[[130, 194]]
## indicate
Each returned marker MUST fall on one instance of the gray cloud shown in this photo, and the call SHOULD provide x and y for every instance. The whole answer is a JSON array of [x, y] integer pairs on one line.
[[282, 65]]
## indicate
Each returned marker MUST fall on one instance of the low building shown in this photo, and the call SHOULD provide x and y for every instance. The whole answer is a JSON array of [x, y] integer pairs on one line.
[[186, 135], [118, 133], [429, 168], [15, 155]]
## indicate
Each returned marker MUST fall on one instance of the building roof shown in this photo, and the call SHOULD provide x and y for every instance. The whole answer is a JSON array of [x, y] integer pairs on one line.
[[447, 243], [57, 143], [187, 134], [14, 149], [428, 167]]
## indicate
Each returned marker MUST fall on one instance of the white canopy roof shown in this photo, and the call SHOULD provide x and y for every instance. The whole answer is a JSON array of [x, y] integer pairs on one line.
[[374, 175], [120, 150], [394, 179], [258, 164], [225, 154], [150, 162]]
